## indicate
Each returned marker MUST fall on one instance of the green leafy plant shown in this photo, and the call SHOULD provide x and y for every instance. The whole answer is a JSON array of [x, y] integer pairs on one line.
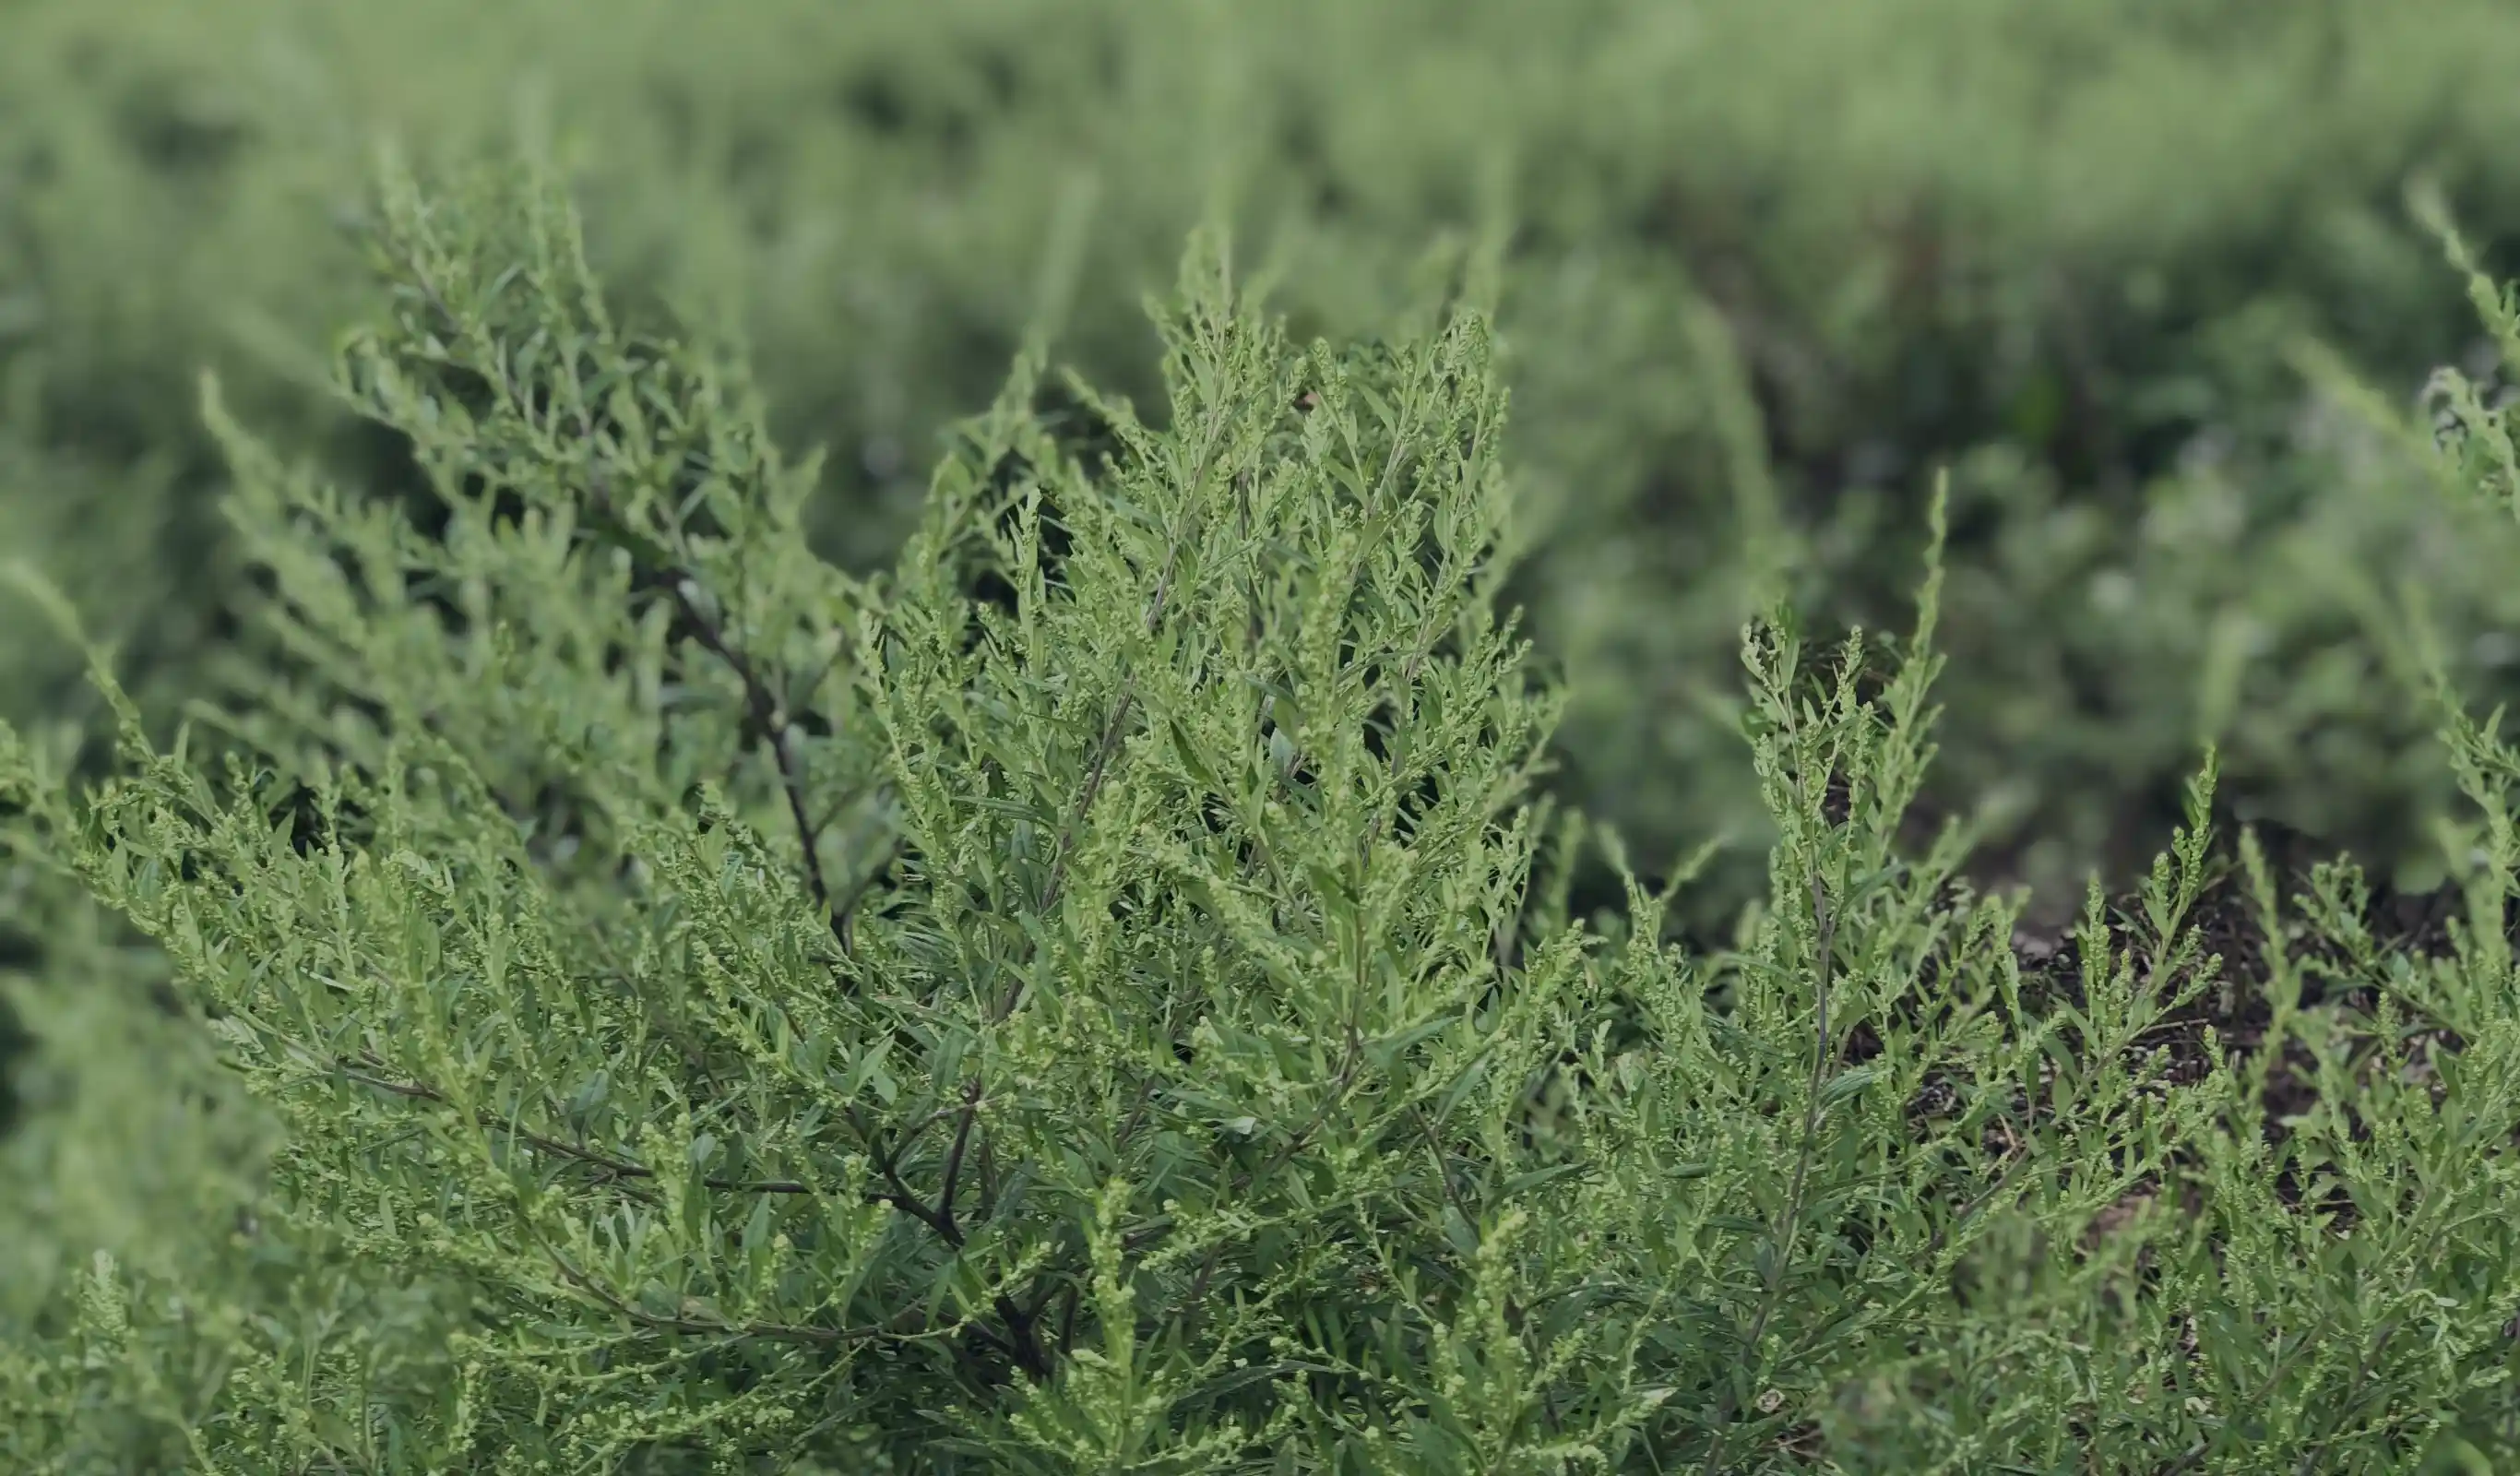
[[1104, 995]]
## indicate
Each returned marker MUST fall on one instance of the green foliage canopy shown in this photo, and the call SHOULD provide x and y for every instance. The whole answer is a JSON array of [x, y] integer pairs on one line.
[[1103, 996]]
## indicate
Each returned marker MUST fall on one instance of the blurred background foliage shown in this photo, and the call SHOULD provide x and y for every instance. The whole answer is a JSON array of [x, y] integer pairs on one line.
[[1767, 266]]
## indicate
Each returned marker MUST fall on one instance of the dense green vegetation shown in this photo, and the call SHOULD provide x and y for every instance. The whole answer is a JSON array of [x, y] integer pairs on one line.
[[1765, 269], [1070, 930]]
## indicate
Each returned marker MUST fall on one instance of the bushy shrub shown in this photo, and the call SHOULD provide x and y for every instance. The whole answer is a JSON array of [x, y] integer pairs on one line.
[[1104, 997]]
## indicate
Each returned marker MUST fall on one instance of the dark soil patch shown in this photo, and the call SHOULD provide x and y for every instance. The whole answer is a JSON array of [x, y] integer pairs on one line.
[[2236, 1009]]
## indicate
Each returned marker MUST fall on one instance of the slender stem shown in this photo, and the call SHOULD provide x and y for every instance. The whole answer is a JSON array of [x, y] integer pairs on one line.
[[768, 718], [609, 1166], [785, 1332], [1788, 1220]]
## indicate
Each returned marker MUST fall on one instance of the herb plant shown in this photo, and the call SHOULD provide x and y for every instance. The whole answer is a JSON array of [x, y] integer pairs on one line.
[[1104, 995]]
